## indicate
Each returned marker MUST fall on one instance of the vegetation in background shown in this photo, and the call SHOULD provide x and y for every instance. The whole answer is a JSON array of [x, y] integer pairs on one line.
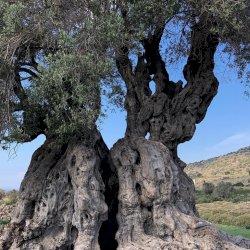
[[233, 167], [2, 193], [223, 194], [226, 213], [243, 231], [223, 191], [208, 187], [8, 198]]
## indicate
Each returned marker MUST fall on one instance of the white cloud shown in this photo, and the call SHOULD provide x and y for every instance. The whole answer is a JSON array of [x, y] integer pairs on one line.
[[240, 139], [230, 144]]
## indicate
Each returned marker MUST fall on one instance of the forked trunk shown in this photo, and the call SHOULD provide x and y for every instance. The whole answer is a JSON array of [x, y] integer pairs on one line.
[[62, 203], [67, 194], [156, 198], [156, 202]]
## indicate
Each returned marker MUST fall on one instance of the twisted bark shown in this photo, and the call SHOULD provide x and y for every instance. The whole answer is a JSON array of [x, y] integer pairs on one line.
[[172, 112], [156, 197], [156, 202], [61, 203]]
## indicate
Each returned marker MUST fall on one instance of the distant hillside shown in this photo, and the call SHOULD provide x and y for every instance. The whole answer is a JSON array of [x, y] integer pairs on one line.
[[233, 167]]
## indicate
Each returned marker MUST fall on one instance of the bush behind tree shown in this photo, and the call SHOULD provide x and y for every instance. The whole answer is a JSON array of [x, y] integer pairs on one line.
[[208, 187], [223, 189]]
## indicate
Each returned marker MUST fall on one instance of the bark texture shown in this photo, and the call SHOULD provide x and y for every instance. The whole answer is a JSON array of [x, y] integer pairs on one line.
[[62, 203], [156, 198], [156, 202], [171, 113]]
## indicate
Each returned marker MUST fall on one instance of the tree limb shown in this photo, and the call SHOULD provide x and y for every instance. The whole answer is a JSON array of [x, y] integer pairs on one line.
[[155, 63]]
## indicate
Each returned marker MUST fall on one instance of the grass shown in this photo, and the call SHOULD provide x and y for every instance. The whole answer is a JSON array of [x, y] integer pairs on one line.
[[235, 230], [226, 213]]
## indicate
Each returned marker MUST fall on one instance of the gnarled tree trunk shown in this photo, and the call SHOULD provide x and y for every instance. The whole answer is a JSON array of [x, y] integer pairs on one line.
[[156, 202], [68, 200], [70, 196], [62, 203], [156, 198]]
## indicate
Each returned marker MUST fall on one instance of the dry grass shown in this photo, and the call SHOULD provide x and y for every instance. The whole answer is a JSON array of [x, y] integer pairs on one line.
[[234, 167], [227, 213]]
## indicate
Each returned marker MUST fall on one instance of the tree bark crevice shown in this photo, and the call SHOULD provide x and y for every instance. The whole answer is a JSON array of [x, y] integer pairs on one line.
[[109, 227]]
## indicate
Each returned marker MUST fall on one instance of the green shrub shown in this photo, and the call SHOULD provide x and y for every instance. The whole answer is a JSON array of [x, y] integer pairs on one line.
[[201, 197], [208, 187], [223, 189]]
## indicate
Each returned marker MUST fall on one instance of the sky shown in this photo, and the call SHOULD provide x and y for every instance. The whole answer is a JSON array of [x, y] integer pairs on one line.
[[226, 128]]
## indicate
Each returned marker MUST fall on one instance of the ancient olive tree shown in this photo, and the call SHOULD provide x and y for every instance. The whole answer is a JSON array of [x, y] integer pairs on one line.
[[58, 59]]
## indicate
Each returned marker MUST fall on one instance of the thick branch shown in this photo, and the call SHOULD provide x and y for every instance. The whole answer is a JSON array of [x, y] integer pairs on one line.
[[155, 63], [171, 114], [151, 46], [15, 107], [198, 71], [124, 65], [189, 106], [131, 103], [138, 91]]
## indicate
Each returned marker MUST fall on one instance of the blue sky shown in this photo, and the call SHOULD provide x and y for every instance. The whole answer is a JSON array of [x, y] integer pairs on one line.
[[225, 128]]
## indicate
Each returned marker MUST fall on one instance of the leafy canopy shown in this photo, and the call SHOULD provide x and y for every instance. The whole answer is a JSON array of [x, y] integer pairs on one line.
[[57, 58]]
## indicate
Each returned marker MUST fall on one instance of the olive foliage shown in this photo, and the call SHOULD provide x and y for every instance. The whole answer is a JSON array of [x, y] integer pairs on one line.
[[57, 58]]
